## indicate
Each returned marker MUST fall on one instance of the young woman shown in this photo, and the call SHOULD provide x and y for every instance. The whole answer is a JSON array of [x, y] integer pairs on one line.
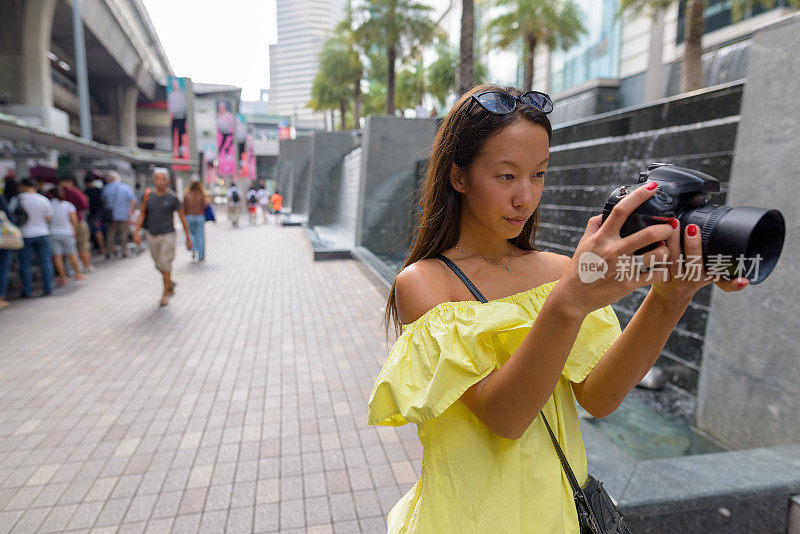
[[474, 376], [194, 205]]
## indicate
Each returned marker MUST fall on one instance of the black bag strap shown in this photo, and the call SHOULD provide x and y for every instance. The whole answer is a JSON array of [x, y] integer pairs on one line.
[[563, 459], [453, 267]]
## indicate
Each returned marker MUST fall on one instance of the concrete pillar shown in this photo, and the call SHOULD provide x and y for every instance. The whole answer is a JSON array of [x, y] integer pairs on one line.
[[126, 98], [26, 86], [37, 27], [11, 90]]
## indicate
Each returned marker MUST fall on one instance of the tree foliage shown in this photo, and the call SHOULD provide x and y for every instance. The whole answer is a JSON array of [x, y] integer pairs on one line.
[[553, 23], [339, 71], [399, 28]]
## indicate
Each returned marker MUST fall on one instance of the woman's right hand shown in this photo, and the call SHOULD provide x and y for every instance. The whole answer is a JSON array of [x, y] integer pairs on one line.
[[588, 283]]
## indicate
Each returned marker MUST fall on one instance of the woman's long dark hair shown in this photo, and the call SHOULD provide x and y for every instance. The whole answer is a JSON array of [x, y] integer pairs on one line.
[[459, 140]]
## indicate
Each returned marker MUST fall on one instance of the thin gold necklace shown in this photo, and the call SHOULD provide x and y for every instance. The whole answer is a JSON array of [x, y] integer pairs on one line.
[[507, 266]]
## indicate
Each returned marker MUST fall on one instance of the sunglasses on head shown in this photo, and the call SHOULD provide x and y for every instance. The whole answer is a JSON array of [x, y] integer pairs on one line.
[[501, 103]]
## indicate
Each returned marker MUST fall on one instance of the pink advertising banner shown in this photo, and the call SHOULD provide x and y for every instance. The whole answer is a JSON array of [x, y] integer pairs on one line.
[[179, 108], [226, 143]]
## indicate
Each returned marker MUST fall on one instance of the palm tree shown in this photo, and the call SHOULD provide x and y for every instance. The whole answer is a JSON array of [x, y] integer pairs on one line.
[[352, 47], [325, 96], [441, 74], [466, 57], [411, 85], [555, 23], [374, 99], [398, 27], [339, 68], [694, 21]]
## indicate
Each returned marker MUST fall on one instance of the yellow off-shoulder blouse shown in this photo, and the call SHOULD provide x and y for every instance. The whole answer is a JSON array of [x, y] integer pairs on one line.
[[473, 481]]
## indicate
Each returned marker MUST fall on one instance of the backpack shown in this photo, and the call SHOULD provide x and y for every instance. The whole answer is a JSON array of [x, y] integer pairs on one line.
[[20, 215], [251, 197], [235, 195]]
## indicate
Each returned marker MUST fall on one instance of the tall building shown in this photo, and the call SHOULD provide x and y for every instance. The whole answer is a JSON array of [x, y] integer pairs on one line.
[[303, 27]]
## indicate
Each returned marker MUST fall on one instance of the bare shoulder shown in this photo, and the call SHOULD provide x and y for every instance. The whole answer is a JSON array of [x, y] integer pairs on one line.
[[420, 287], [556, 263]]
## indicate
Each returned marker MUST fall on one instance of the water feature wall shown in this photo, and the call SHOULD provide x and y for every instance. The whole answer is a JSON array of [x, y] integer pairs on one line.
[[294, 157], [327, 153], [347, 205], [590, 157], [392, 147], [749, 391]]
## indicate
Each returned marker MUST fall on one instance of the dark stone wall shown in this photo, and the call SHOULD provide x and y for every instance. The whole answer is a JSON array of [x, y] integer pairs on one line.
[[327, 152], [391, 149], [293, 173], [592, 101], [588, 159]]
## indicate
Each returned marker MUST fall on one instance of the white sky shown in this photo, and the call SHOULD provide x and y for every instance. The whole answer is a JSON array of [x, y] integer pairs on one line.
[[215, 41], [227, 41]]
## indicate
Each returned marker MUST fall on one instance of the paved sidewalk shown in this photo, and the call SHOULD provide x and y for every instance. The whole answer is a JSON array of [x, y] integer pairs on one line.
[[241, 407]]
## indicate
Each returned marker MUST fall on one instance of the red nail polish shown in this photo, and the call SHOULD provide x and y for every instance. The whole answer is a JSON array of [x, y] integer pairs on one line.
[[742, 284], [692, 230], [662, 243], [674, 223], [652, 185]]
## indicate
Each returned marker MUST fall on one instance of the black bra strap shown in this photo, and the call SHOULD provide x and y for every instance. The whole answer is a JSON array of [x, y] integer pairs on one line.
[[474, 290]]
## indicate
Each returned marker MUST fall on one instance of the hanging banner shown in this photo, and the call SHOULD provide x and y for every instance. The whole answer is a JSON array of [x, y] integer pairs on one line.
[[241, 143], [178, 107], [226, 144]]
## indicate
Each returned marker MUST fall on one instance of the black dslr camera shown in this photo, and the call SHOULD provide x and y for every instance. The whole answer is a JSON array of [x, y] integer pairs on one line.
[[752, 238]]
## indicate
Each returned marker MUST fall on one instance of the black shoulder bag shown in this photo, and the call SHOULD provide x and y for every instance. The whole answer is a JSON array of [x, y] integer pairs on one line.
[[597, 513]]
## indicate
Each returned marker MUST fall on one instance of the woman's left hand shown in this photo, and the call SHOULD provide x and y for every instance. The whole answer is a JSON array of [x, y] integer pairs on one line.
[[684, 278]]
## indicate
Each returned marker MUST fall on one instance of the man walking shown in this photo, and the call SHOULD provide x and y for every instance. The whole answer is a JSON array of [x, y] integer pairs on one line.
[[157, 219], [120, 202], [36, 235]]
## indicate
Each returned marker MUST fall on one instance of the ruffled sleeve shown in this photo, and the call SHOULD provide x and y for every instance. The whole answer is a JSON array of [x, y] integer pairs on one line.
[[455, 345], [438, 357], [598, 332]]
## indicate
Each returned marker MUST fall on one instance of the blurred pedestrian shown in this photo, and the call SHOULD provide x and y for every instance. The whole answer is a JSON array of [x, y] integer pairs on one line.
[[252, 203], [5, 257], [277, 205], [94, 190], [420, 111], [63, 225], [157, 218], [119, 202], [194, 205], [234, 204], [83, 239], [36, 235], [11, 188], [263, 203]]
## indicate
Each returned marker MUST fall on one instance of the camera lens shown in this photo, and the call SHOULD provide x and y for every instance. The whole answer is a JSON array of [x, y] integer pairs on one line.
[[742, 241]]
